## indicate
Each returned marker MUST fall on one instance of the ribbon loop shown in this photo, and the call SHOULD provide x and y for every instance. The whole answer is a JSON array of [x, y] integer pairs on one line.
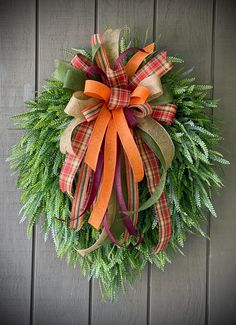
[[97, 89], [141, 110], [133, 64], [158, 64], [81, 63], [153, 84], [71, 78], [117, 78], [140, 95], [78, 103], [111, 44]]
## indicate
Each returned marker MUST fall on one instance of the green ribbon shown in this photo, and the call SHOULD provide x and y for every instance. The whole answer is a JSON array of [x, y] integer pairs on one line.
[[159, 141], [160, 188], [72, 78]]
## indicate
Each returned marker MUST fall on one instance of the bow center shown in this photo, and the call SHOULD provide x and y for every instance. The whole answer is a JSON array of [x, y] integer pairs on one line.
[[119, 98]]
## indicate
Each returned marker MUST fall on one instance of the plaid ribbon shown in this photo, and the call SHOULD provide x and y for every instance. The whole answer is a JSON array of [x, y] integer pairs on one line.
[[117, 78], [141, 110], [82, 63], [81, 196], [71, 164], [133, 194], [164, 114], [91, 112], [101, 56], [162, 211], [119, 98]]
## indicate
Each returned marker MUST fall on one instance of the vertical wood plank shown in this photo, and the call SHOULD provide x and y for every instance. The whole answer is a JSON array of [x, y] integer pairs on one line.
[[222, 285], [178, 295], [138, 15], [61, 292], [17, 82], [132, 307]]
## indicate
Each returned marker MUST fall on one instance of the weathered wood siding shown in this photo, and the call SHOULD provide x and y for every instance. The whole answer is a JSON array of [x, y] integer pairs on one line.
[[35, 286]]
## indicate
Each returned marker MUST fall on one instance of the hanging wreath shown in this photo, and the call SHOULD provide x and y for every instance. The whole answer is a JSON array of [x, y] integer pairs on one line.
[[117, 158]]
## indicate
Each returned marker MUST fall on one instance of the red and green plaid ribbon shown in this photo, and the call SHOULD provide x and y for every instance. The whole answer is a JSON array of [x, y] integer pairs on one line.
[[71, 164], [117, 78], [81, 62], [162, 211], [133, 194], [119, 98], [101, 56], [81, 196], [164, 114]]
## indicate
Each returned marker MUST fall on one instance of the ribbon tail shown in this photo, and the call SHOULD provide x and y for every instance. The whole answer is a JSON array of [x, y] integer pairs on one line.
[[97, 136], [110, 217], [92, 191], [99, 242], [120, 198], [96, 182], [128, 144], [110, 151], [165, 227], [133, 194], [156, 194], [82, 191], [109, 232], [153, 181], [71, 164]]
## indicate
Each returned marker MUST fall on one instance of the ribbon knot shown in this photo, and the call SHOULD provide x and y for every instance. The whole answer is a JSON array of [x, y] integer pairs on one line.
[[119, 98]]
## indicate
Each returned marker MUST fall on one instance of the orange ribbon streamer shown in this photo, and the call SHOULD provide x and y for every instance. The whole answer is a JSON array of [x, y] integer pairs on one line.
[[97, 136], [129, 144], [110, 152]]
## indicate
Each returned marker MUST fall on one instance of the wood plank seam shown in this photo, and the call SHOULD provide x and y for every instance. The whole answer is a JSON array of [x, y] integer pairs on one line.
[[33, 258], [208, 246]]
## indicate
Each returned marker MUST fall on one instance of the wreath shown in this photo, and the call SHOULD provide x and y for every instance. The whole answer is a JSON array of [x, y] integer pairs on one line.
[[118, 158]]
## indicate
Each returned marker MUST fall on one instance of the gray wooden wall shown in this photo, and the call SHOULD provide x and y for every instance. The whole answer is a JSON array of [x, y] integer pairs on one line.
[[35, 286]]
